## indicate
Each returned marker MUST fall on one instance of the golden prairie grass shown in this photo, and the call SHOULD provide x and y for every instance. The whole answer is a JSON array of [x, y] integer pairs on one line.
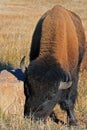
[[26, 124], [17, 23], [14, 39]]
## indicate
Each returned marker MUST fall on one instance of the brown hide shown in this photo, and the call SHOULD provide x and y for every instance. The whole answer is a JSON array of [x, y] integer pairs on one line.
[[80, 34], [61, 36]]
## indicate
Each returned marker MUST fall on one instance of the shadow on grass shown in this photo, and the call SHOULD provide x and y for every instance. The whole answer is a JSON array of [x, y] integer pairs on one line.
[[6, 66], [16, 72]]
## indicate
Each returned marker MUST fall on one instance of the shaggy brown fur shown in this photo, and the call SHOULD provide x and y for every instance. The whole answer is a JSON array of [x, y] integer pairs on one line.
[[57, 49]]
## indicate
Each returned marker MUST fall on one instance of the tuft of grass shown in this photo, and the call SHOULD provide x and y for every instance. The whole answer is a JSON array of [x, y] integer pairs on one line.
[[19, 123]]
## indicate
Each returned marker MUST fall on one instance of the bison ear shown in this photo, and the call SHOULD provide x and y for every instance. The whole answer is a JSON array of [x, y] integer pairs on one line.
[[65, 85], [22, 64]]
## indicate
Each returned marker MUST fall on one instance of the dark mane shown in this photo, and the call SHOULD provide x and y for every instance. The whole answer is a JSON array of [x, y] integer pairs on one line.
[[46, 71]]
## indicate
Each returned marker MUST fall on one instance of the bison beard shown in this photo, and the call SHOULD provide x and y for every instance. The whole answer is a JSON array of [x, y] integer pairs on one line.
[[57, 49]]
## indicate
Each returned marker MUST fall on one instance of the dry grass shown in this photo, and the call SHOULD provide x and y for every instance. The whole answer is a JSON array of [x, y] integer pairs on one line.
[[17, 22]]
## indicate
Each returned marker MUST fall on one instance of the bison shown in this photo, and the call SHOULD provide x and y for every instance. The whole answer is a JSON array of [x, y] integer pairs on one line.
[[57, 49]]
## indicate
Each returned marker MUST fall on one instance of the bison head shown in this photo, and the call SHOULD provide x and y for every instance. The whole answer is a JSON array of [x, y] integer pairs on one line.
[[41, 95]]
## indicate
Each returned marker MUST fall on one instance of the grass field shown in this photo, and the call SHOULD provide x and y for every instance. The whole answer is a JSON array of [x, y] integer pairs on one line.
[[17, 23], [18, 19]]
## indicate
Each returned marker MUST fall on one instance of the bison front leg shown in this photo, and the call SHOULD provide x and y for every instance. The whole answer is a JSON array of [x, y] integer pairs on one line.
[[68, 106], [71, 120], [71, 117], [71, 102], [68, 103]]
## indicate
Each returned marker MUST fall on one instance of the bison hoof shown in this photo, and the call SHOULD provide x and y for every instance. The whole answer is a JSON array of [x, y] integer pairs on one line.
[[73, 122]]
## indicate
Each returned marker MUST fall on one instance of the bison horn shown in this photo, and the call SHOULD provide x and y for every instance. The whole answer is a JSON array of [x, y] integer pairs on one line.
[[65, 85], [22, 64]]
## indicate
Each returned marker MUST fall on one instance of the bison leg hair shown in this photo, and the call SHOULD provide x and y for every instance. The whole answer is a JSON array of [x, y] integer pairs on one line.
[[68, 104], [71, 101]]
